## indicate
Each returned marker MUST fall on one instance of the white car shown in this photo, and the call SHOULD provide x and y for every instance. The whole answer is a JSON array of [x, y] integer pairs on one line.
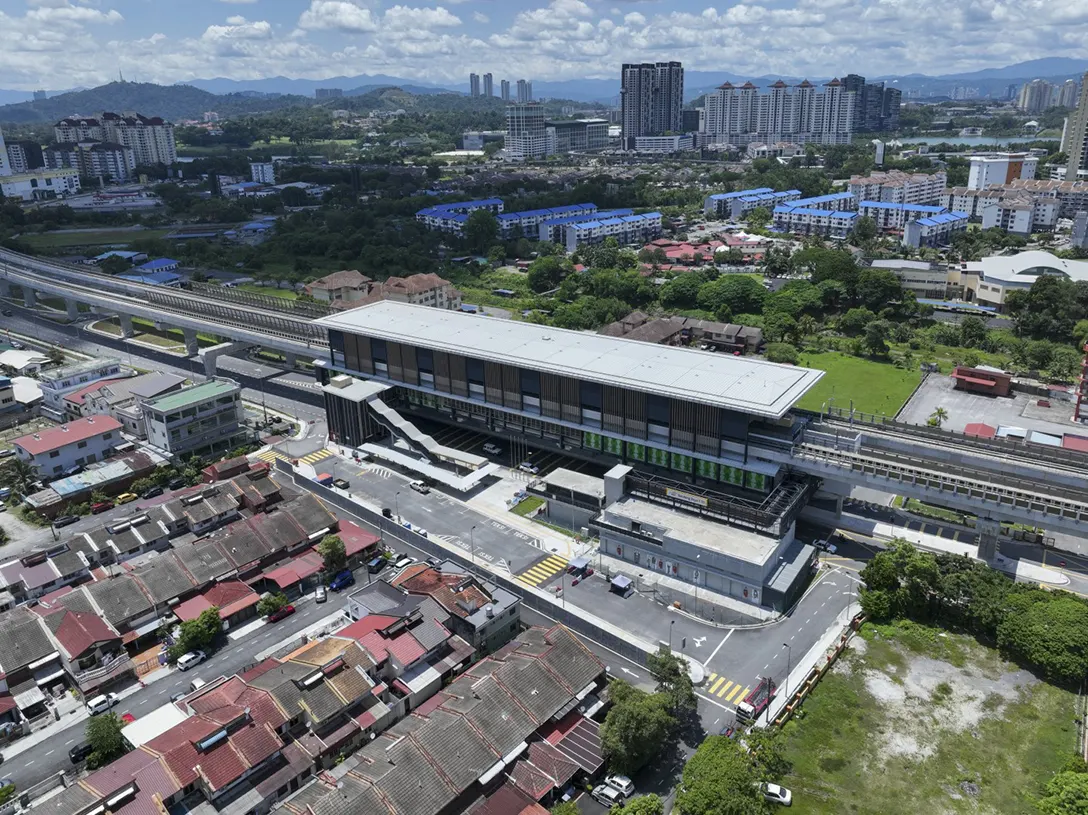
[[528, 467], [407, 560], [420, 487], [100, 704], [609, 796], [621, 783], [826, 546], [492, 449], [776, 794], [187, 661]]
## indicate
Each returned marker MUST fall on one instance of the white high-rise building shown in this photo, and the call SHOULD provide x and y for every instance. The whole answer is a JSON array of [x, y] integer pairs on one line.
[[526, 132], [505, 90], [651, 99], [150, 138], [525, 91], [1035, 96], [263, 172], [5, 168], [474, 85], [799, 114], [1068, 94], [489, 88], [1000, 168]]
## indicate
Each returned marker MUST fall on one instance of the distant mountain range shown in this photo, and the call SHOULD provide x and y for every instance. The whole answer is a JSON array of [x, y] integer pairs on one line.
[[235, 96]]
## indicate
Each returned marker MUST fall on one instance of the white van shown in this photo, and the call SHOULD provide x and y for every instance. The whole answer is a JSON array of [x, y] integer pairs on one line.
[[187, 661], [100, 704]]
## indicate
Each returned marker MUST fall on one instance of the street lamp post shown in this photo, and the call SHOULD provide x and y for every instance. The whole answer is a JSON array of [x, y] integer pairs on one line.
[[472, 543], [396, 503], [671, 624], [789, 664]]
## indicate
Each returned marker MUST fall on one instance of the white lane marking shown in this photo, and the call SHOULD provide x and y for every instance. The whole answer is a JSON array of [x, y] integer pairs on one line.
[[51, 752], [720, 644], [30, 762]]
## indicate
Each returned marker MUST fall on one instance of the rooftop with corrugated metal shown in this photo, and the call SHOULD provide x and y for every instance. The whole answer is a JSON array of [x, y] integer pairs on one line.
[[745, 384]]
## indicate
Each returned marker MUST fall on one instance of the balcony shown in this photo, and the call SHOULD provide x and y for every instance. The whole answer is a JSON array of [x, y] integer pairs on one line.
[[94, 677]]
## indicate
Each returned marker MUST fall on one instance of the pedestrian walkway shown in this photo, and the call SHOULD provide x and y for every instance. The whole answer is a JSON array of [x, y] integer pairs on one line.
[[543, 570], [316, 456], [270, 455], [725, 689]]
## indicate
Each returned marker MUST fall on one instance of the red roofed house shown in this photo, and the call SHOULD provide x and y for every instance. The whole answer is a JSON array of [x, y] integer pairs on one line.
[[982, 379], [83, 441], [91, 650], [295, 576], [236, 602], [359, 545], [348, 286], [74, 401]]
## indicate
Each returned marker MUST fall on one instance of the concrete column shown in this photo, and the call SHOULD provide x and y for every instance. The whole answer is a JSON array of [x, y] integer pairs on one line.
[[126, 324], [29, 297], [289, 359], [838, 506], [5, 287], [73, 308], [209, 364], [192, 347], [989, 533]]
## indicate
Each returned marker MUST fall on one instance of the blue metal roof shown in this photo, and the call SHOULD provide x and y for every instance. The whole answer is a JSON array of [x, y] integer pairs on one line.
[[786, 209], [726, 196], [595, 216], [154, 278], [824, 199], [943, 218], [156, 265]]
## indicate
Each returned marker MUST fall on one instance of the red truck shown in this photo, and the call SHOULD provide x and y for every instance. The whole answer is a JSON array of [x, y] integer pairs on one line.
[[756, 702]]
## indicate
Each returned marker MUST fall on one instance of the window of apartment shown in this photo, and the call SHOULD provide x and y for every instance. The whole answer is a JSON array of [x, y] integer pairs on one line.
[[107, 436], [54, 453], [56, 469], [81, 445]]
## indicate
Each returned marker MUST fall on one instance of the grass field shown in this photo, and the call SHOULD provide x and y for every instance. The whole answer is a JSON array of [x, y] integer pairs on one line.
[[92, 237], [528, 505], [271, 291], [874, 387], [916, 720]]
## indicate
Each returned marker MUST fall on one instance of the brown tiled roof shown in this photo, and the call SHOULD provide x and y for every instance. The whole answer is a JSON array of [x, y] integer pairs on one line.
[[347, 278]]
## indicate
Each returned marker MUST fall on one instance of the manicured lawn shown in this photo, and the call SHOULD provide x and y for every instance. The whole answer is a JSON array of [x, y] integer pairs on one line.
[[874, 387], [926, 721], [528, 505], [92, 237], [271, 291]]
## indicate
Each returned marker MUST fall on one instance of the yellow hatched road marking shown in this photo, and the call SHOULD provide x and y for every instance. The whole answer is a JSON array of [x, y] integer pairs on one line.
[[725, 687], [714, 687], [736, 690]]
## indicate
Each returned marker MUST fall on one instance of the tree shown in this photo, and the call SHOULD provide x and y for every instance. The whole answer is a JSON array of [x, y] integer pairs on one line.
[[18, 476], [864, 230], [115, 265], [1065, 364], [332, 554], [781, 352], [481, 229], [545, 273], [721, 779], [938, 417], [876, 338], [853, 322], [56, 356], [1066, 794], [271, 603], [295, 197], [104, 736], [733, 294], [682, 291], [199, 634], [637, 727], [758, 218], [671, 674], [566, 808], [972, 332], [496, 255], [876, 288], [1049, 632], [642, 805]]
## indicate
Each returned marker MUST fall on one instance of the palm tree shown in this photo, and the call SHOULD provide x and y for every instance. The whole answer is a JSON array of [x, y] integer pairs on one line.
[[938, 416], [18, 475]]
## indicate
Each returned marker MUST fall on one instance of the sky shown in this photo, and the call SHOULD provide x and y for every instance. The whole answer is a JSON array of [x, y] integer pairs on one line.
[[58, 44]]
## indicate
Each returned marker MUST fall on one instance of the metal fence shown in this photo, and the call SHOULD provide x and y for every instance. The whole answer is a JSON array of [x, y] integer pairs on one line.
[[575, 619]]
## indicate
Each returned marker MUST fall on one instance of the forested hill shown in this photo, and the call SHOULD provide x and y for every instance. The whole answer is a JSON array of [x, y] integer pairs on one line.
[[171, 102]]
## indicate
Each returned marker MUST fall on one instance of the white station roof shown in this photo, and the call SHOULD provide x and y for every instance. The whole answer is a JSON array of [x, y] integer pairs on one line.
[[744, 384]]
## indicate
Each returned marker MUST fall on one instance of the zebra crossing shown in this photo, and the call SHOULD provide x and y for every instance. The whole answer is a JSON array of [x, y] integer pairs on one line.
[[542, 571], [380, 472], [316, 456], [725, 689], [269, 456]]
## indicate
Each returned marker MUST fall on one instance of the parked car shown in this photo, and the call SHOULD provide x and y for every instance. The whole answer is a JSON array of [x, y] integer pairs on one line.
[[342, 581], [151, 492], [404, 560], [608, 796], [321, 595], [7, 312], [776, 794], [191, 659], [342, 483], [126, 497], [420, 487], [18, 346], [177, 697], [80, 752], [100, 704], [101, 506], [177, 483], [281, 614], [622, 783], [729, 731], [528, 467], [65, 520], [492, 449], [826, 546]]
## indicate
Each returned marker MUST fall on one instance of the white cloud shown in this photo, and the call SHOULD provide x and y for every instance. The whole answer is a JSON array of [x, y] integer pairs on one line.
[[634, 18], [237, 19], [239, 2], [403, 18], [238, 29], [338, 15], [64, 13], [480, 17]]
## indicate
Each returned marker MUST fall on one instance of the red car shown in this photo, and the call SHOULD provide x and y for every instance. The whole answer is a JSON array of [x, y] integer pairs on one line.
[[101, 506], [281, 613]]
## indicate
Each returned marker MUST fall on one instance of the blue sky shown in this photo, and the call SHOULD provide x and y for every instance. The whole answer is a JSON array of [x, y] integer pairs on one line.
[[66, 43]]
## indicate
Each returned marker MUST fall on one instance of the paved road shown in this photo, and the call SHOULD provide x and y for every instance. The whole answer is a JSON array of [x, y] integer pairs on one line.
[[51, 756]]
